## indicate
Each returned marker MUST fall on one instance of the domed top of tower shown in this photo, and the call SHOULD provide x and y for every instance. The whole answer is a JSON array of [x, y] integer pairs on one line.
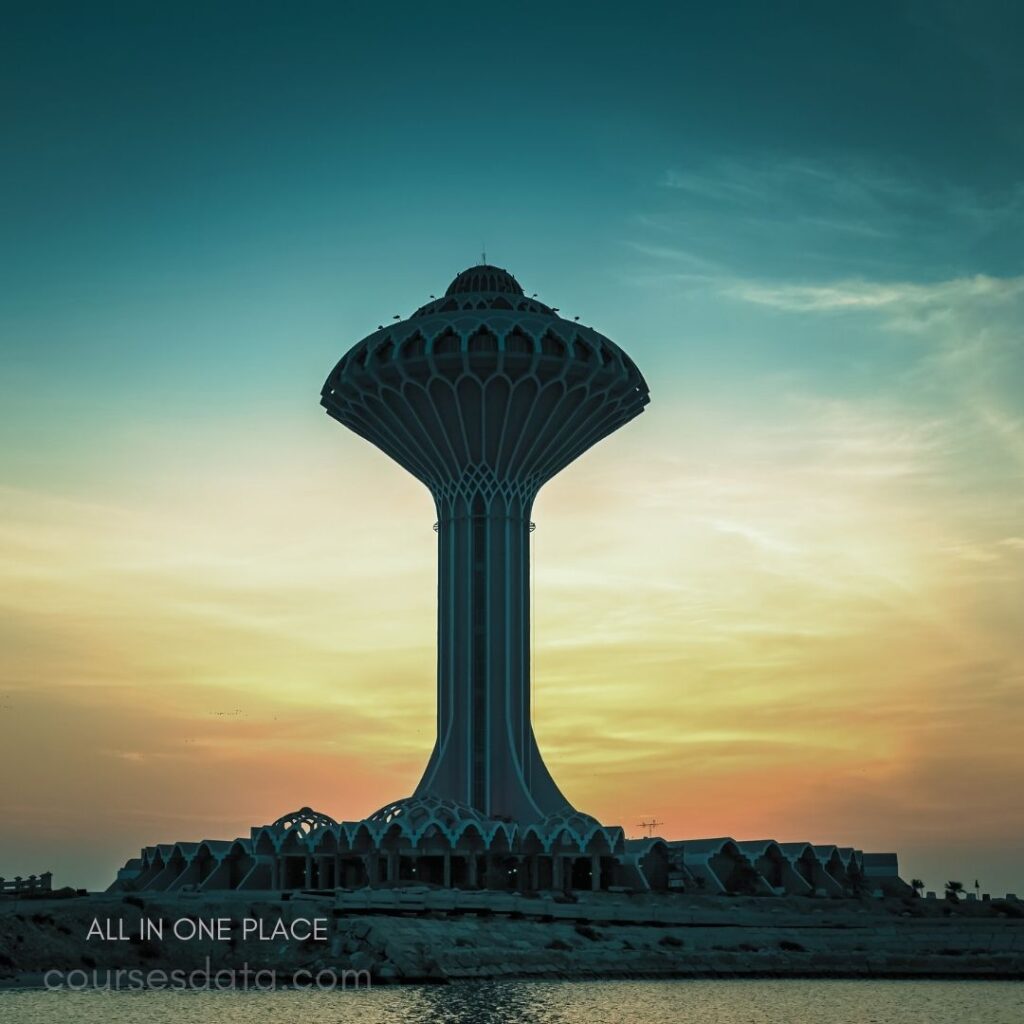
[[484, 278], [484, 380]]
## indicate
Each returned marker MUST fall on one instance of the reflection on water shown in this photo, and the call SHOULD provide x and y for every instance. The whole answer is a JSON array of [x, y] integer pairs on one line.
[[547, 1002]]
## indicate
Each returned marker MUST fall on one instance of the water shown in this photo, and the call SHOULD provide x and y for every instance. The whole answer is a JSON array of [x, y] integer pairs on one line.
[[547, 1002]]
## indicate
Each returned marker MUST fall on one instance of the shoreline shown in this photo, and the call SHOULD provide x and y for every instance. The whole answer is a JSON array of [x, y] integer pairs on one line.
[[35, 983], [419, 936]]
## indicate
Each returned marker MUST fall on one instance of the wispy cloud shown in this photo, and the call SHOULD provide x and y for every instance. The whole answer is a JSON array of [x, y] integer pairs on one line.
[[813, 218], [677, 255], [855, 196], [846, 296], [969, 351]]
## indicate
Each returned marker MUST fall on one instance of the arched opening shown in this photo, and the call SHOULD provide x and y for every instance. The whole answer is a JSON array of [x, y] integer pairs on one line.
[[602, 864], [552, 345], [414, 347], [517, 342], [205, 863], [655, 866], [293, 862], [536, 865], [157, 864], [483, 341], [392, 846], [448, 343], [352, 871], [434, 860], [738, 875], [238, 864], [175, 865], [805, 866], [467, 867], [768, 861], [325, 860], [500, 867], [581, 873]]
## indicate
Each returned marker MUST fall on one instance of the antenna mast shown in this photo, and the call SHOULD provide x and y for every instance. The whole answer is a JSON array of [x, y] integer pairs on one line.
[[649, 826]]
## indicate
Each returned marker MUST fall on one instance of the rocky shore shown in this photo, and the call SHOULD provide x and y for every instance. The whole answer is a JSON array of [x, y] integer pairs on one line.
[[419, 935]]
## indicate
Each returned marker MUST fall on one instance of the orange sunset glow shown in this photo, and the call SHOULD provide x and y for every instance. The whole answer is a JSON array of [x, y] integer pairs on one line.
[[785, 602]]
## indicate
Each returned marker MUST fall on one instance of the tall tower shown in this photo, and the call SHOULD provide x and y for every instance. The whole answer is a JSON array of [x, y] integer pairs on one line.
[[484, 395]]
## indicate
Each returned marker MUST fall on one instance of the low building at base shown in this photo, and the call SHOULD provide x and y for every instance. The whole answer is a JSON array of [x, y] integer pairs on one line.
[[485, 394], [438, 842]]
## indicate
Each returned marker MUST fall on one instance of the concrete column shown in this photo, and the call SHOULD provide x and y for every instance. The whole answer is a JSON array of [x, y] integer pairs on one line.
[[471, 873], [595, 872], [393, 864], [337, 871], [534, 873], [447, 870], [309, 871], [556, 872]]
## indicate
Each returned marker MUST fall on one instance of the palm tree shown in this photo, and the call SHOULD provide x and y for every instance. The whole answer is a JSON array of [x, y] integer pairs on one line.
[[917, 885], [953, 891]]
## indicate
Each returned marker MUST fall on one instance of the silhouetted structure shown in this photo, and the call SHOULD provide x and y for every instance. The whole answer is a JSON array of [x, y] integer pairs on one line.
[[19, 886], [484, 395]]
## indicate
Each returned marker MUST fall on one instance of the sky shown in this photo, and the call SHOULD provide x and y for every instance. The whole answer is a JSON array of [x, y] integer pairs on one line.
[[787, 601]]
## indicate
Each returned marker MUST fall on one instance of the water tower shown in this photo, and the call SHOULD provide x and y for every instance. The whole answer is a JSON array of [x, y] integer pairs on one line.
[[484, 395]]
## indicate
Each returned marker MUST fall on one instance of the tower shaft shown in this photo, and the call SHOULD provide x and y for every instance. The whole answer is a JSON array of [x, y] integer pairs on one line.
[[485, 754]]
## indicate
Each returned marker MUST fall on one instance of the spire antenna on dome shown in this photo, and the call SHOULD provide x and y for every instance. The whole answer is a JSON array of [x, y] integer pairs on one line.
[[483, 255]]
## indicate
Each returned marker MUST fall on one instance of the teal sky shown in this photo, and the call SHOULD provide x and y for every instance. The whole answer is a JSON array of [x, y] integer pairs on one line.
[[803, 221], [226, 182]]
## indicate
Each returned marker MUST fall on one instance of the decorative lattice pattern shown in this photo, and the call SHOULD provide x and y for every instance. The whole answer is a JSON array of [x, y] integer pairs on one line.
[[489, 404], [304, 820]]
